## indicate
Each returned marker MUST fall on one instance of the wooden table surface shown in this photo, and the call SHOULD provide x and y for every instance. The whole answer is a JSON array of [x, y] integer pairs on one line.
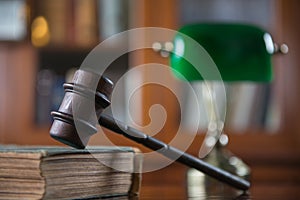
[[268, 181]]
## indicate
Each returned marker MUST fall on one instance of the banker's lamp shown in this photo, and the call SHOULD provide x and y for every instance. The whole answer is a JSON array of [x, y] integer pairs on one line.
[[242, 53]]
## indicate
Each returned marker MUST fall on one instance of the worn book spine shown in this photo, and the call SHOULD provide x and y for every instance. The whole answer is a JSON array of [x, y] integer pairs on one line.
[[136, 177]]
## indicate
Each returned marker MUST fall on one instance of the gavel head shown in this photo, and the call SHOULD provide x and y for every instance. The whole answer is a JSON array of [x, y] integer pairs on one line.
[[87, 95]]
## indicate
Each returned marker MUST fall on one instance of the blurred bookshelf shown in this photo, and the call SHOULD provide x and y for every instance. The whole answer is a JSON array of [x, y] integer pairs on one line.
[[42, 43], [64, 32], [79, 24]]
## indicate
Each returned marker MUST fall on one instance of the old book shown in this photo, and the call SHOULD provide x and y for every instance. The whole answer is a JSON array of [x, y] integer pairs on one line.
[[64, 173], [85, 23], [58, 15]]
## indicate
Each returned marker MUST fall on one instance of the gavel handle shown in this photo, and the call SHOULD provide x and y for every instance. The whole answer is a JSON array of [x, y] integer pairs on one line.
[[173, 153]]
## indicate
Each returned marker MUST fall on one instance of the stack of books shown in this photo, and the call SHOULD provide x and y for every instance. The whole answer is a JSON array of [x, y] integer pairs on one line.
[[65, 173]]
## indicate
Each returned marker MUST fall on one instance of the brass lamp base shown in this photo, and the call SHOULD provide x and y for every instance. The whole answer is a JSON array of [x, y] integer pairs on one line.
[[200, 185]]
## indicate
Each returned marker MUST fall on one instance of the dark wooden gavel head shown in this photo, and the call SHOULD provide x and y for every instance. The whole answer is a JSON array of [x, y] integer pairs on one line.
[[86, 89]]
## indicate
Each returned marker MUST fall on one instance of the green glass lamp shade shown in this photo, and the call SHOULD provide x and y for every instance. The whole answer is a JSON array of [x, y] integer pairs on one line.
[[240, 52]]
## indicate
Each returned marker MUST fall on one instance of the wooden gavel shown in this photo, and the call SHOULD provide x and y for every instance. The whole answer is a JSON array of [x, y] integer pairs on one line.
[[80, 93]]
